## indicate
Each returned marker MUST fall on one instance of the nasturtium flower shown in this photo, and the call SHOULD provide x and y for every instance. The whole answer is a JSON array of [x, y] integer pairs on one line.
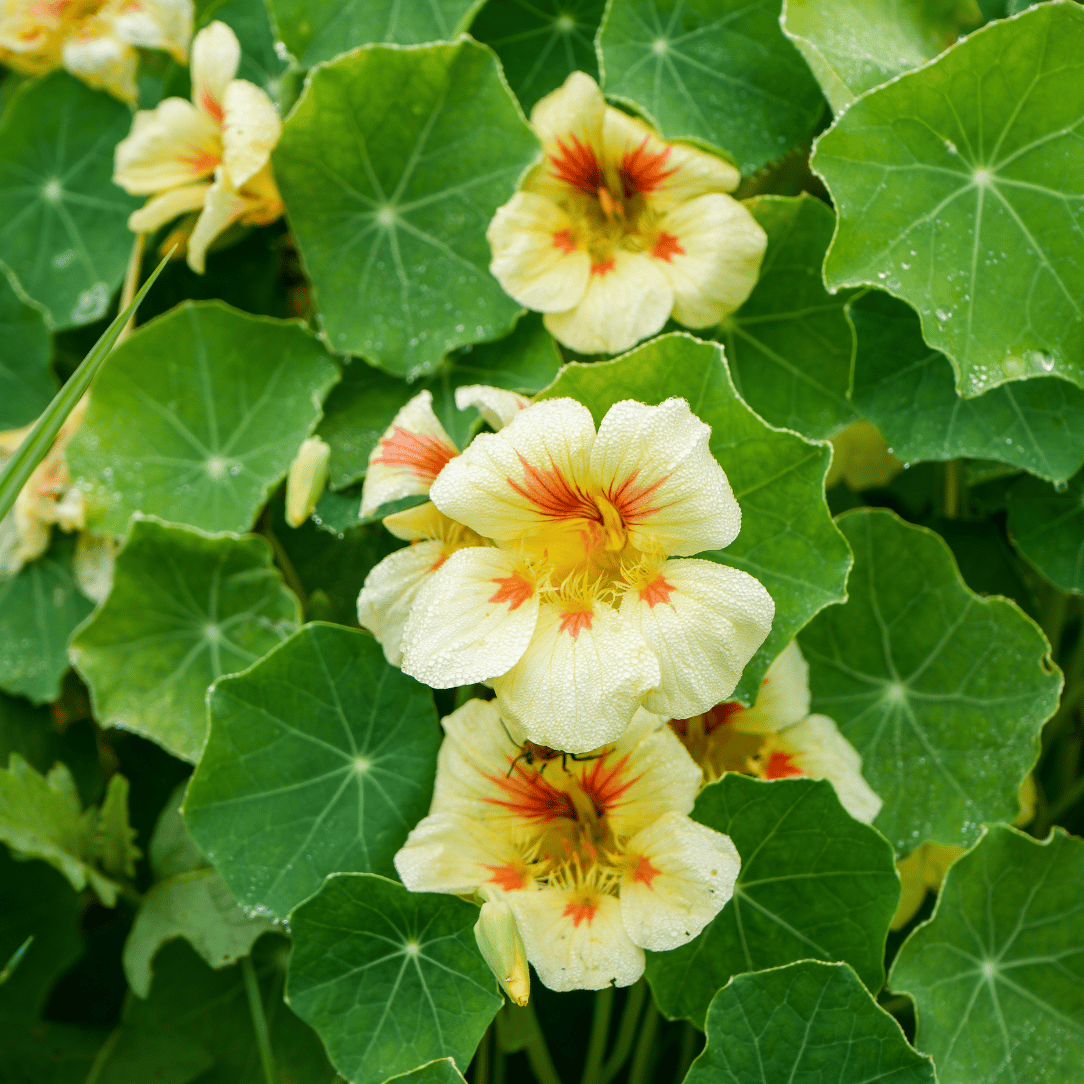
[[616, 230], [95, 40], [210, 155], [557, 563], [595, 856], [778, 738]]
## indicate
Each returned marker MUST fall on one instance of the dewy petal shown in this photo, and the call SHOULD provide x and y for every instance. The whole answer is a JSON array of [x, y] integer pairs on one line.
[[581, 679], [472, 621], [160, 210], [704, 622], [818, 750], [222, 207], [655, 466], [569, 122], [251, 127], [496, 406], [783, 698], [423, 521], [536, 258], [627, 300], [216, 53], [97, 56], [529, 475], [576, 943], [710, 250], [680, 876], [407, 459], [666, 174], [154, 24], [389, 592], [174, 144]]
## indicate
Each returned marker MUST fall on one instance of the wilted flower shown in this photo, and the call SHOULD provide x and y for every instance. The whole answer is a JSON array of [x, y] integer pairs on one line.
[[617, 230], [596, 857], [210, 155], [547, 567], [95, 40], [777, 738]]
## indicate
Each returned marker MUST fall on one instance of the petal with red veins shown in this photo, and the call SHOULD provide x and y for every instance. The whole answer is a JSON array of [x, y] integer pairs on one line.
[[628, 298], [569, 123], [531, 474], [472, 621], [710, 250], [655, 466], [408, 457], [680, 876], [703, 633], [173, 144], [579, 682], [216, 53], [575, 940]]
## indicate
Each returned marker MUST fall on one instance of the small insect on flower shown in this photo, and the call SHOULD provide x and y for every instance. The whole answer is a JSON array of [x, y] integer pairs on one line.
[[617, 230], [542, 755]]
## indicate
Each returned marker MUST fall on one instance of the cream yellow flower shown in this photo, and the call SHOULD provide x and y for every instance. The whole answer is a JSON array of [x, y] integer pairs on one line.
[[617, 230], [557, 563], [95, 40], [778, 738], [596, 857], [210, 155]]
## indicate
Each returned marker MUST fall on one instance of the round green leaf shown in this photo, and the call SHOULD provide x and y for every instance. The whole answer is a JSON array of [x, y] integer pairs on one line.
[[942, 692], [320, 760], [718, 72], [224, 401], [959, 189], [389, 979], [316, 30], [26, 385], [39, 609], [787, 538], [540, 42], [997, 974], [1047, 525], [854, 45], [810, 1021], [392, 166], [907, 391], [791, 346], [814, 882], [63, 223], [185, 608], [362, 407]]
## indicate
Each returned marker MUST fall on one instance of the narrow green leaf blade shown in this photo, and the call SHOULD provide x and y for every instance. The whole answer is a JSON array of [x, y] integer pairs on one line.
[[389, 979]]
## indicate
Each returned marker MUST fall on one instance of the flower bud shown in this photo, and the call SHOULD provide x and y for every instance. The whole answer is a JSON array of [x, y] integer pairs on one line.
[[306, 480], [501, 946]]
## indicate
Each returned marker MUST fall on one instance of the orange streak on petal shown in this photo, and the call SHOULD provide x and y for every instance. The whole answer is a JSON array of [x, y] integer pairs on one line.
[[658, 590], [721, 715], [633, 501], [426, 457], [529, 796], [509, 877], [582, 911], [562, 239], [552, 493], [514, 589], [575, 621], [577, 166], [604, 268], [780, 766], [645, 872], [643, 170], [606, 784], [212, 107], [200, 162], [666, 247]]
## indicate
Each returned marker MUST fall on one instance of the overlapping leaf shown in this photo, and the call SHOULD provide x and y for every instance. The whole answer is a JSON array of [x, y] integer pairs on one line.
[[390, 979], [320, 759], [362, 407], [224, 402], [997, 974], [960, 188], [856, 45], [185, 608], [787, 539], [791, 346], [1047, 524], [716, 71], [316, 30], [942, 692], [25, 384], [39, 609], [63, 223], [540, 42], [814, 883], [906, 389], [809, 1021], [392, 166]]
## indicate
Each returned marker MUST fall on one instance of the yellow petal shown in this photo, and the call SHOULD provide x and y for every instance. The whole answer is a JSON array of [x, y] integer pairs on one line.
[[173, 144], [160, 210], [251, 127], [216, 54], [102, 60]]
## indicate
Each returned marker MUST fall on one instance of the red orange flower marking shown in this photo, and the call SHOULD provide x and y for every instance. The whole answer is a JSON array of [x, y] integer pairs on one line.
[[667, 247], [645, 872], [580, 911], [552, 493], [633, 501], [531, 797], [514, 589], [721, 715], [643, 170], [575, 621], [562, 239], [658, 590], [604, 268], [509, 877], [200, 162], [426, 457], [606, 784], [212, 106], [781, 766], [577, 165]]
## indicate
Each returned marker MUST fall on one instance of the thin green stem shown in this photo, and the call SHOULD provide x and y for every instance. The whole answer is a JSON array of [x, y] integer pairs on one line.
[[626, 1032], [282, 559], [600, 1032], [953, 488], [537, 1052], [259, 1021], [643, 1059]]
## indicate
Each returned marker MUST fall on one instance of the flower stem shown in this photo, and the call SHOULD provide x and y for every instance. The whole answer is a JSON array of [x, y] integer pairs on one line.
[[626, 1032], [643, 1059], [953, 488], [537, 1052], [259, 1021], [481, 1058], [600, 1032]]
